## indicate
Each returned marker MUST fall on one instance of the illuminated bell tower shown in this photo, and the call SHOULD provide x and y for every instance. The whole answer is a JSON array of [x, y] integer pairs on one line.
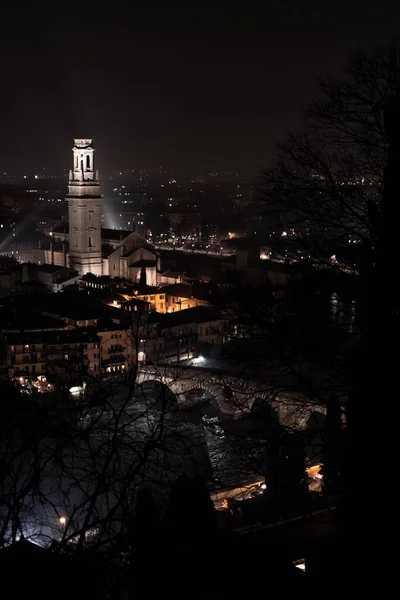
[[84, 210]]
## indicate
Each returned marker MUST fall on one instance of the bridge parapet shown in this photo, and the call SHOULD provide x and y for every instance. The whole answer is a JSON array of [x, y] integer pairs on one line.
[[235, 396]]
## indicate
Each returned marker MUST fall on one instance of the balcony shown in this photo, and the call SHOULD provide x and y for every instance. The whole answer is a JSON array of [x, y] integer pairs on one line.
[[117, 359], [25, 359], [116, 348]]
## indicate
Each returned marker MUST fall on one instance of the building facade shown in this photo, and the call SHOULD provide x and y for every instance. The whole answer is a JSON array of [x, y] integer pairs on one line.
[[166, 299], [171, 338], [62, 353], [117, 350]]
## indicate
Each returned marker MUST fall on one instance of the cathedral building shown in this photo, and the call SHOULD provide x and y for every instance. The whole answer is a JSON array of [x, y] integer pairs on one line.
[[87, 247]]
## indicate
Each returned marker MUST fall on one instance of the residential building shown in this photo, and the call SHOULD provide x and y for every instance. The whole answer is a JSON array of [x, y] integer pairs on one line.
[[167, 299], [180, 297], [176, 336], [169, 277], [65, 354], [156, 299], [117, 350], [55, 277]]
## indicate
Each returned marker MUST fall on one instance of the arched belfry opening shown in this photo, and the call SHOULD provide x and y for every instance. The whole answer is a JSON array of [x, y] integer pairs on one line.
[[88, 162]]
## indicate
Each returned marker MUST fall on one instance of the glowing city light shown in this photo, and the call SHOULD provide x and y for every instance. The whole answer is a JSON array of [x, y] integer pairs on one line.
[[199, 360]]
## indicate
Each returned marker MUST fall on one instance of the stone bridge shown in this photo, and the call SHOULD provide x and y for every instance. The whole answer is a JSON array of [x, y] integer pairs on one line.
[[234, 396]]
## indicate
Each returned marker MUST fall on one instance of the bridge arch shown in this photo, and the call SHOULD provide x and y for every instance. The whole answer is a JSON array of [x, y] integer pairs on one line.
[[182, 387], [156, 392], [264, 412], [204, 401], [186, 389]]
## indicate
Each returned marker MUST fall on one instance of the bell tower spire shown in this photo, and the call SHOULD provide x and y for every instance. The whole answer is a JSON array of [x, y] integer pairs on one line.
[[84, 209]]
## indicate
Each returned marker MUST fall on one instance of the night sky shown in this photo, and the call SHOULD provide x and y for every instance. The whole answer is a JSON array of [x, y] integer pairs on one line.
[[199, 90]]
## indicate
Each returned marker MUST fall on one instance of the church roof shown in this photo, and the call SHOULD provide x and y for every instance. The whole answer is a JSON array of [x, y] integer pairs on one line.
[[45, 268], [140, 245], [143, 263], [63, 228], [114, 234], [106, 234]]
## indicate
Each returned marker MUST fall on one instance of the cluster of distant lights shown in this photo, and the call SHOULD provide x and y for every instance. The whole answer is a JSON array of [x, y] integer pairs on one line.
[[120, 192], [163, 171], [355, 181], [50, 199], [172, 236], [11, 225]]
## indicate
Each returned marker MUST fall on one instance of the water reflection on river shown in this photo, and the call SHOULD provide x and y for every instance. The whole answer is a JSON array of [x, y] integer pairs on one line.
[[220, 450]]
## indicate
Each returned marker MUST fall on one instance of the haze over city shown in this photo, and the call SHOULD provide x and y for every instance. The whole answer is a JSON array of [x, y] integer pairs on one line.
[[191, 88]]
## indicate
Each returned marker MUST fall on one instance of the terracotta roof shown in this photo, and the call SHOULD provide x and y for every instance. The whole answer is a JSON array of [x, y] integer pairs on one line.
[[19, 318], [141, 245], [63, 336], [171, 274], [198, 314], [114, 234], [178, 289], [143, 263]]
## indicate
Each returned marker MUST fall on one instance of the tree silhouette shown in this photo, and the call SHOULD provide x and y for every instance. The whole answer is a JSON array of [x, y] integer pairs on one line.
[[332, 450], [285, 476], [334, 188], [190, 510], [143, 277]]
